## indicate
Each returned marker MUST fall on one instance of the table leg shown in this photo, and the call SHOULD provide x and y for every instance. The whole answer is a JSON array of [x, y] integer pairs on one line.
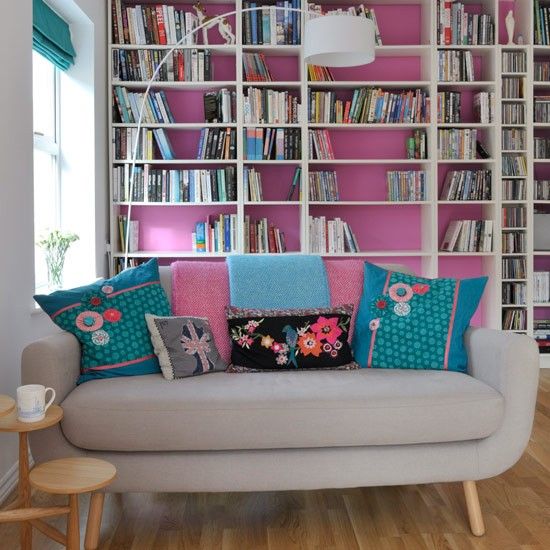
[[93, 526], [73, 524], [24, 490]]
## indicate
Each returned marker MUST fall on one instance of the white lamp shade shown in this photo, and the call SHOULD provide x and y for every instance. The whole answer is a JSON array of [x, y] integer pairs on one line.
[[339, 41]]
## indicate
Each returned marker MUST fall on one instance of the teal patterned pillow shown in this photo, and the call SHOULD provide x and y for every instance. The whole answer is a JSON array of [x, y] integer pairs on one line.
[[108, 318], [408, 322]]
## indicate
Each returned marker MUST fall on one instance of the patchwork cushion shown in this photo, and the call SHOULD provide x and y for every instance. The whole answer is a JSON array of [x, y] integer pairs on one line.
[[108, 319]]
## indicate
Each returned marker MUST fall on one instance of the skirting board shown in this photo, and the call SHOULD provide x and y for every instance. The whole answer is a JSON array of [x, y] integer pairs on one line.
[[9, 480]]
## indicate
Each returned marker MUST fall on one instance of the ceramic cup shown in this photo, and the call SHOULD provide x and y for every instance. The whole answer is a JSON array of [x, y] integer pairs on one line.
[[31, 402]]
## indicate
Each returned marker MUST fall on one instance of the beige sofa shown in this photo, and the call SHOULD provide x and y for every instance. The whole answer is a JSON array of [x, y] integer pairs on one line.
[[296, 430]]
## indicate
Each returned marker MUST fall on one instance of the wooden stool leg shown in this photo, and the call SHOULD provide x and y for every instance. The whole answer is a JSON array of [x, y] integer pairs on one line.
[[24, 490], [94, 521], [474, 509], [73, 524]]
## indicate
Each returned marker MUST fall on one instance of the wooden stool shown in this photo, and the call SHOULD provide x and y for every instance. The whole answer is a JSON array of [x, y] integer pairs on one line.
[[71, 477]]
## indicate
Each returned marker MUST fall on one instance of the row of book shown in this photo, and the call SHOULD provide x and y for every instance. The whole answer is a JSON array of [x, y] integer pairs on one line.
[[514, 294], [261, 237], [455, 143], [148, 145], [369, 105], [455, 26], [127, 106], [514, 216], [269, 25], [484, 107], [514, 62], [188, 65], [255, 68], [541, 71], [216, 234], [220, 106], [323, 186], [467, 185], [252, 182], [320, 145], [541, 287], [175, 186], [417, 145], [217, 143], [315, 73], [272, 143], [468, 236], [513, 113], [514, 165], [541, 147], [514, 319], [151, 24], [331, 236], [265, 106], [514, 242], [514, 190], [513, 139], [542, 24], [541, 190], [131, 229], [512, 87], [406, 185], [449, 107], [542, 334], [455, 66], [514, 268], [542, 108]]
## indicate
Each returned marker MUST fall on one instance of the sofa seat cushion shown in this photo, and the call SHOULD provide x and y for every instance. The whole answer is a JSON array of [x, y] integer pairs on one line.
[[223, 411]]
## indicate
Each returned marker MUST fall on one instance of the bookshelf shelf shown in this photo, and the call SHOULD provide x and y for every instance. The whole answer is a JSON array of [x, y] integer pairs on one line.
[[371, 126], [541, 304], [177, 204], [351, 84], [367, 203], [276, 84], [221, 49], [180, 161], [457, 254], [158, 84], [179, 125]]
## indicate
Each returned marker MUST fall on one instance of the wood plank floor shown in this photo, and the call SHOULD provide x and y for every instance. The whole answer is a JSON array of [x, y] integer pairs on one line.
[[516, 508]]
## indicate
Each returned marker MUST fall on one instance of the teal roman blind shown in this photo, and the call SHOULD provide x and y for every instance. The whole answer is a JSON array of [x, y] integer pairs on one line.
[[51, 36]]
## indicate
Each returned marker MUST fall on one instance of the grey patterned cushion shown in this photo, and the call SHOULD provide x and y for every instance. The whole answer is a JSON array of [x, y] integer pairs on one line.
[[184, 346]]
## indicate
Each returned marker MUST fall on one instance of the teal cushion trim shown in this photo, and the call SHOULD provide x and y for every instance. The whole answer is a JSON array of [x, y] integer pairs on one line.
[[51, 36], [411, 322], [108, 318]]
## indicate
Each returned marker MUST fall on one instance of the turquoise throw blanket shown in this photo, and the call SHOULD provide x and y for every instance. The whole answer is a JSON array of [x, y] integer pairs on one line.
[[287, 281]]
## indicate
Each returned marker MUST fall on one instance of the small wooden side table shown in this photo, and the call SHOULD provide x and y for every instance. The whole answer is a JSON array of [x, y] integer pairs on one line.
[[7, 405], [20, 509]]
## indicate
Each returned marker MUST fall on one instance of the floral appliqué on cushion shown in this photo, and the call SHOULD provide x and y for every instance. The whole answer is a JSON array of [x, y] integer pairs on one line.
[[196, 345]]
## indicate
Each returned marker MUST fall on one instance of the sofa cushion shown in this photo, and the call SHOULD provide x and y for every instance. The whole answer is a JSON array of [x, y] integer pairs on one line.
[[224, 411]]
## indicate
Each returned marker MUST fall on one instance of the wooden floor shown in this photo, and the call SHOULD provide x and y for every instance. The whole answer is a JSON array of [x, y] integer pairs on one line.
[[516, 508]]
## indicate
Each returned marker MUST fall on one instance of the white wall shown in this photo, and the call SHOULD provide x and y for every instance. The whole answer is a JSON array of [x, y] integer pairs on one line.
[[18, 324]]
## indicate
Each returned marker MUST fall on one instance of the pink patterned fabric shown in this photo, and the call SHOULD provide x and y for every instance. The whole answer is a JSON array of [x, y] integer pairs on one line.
[[201, 289], [345, 281]]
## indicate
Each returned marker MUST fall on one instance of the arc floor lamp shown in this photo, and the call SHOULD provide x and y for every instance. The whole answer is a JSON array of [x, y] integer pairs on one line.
[[329, 40]]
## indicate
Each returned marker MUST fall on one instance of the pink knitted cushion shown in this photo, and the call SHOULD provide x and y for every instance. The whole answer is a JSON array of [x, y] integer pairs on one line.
[[345, 280], [201, 289]]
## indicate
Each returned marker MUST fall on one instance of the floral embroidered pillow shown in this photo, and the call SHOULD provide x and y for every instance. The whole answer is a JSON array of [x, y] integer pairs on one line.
[[107, 317], [290, 339], [184, 346], [409, 322]]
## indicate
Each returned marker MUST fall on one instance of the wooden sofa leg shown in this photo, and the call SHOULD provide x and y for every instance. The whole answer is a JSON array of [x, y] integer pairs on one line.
[[474, 509]]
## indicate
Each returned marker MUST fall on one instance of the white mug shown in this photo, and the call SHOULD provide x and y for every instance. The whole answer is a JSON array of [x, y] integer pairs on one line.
[[31, 402]]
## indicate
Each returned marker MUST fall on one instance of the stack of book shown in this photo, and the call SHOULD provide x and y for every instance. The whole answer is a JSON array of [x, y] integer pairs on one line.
[[255, 68], [448, 107], [541, 287], [261, 237], [272, 26], [323, 186], [467, 185], [161, 185], [514, 216], [456, 26], [320, 146], [468, 236], [316, 10], [216, 235], [132, 262], [455, 66], [189, 65], [407, 185], [514, 268], [133, 233], [220, 106], [514, 294], [513, 113], [542, 25], [542, 108], [542, 147], [125, 143], [369, 105], [217, 143], [541, 71], [128, 104], [417, 145], [331, 236], [484, 107], [514, 190], [454, 143], [514, 165], [512, 87], [542, 190], [513, 139], [252, 181], [515, 62], [513, 242], [542, 334], [272, 143], [151, 24], [265, 106], [514, 319], [316, 73]]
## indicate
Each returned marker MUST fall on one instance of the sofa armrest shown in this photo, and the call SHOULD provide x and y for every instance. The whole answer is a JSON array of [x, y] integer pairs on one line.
[[509, 363], [54, 362]]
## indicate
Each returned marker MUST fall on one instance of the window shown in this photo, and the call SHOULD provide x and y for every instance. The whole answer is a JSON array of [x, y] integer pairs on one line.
[[47, 184]]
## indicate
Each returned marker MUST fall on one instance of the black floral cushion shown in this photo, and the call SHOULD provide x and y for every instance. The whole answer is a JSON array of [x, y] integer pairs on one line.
[[290, 339]]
